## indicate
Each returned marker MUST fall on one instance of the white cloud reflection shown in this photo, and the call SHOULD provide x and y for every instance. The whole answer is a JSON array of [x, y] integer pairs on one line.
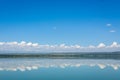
[[34, 64]]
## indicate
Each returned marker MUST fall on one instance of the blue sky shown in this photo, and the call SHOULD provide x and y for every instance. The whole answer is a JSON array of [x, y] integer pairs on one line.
[[82, 22]]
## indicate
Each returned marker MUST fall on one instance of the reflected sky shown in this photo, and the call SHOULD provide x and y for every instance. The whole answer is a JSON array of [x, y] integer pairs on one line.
[[34, 64]]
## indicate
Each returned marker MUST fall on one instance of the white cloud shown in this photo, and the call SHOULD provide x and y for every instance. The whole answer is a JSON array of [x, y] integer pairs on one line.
[[112, 31], [22, 43], [1, 43], [114, 44], [91, 46], [29, 44], [101, 45], [108, 24], [62, 45], [36, 47], [77, 46], [35, 44]]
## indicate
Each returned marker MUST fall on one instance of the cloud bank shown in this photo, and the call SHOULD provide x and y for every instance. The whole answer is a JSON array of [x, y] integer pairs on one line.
[[36, 47]]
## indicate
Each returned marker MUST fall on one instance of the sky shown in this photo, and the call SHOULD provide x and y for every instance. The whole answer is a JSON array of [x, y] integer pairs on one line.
[[57, 22]]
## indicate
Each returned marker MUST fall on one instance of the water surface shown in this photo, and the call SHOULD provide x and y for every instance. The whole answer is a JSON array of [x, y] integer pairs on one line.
[[59, 69]]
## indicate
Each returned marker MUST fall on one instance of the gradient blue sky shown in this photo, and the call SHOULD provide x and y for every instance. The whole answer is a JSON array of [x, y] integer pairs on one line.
[[81, 22]]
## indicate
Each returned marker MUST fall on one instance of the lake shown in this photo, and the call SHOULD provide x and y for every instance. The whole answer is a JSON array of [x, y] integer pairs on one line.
[[59, 69]]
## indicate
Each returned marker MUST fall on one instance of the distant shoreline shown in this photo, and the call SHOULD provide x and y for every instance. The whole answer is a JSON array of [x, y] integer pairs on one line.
[[65, 55]]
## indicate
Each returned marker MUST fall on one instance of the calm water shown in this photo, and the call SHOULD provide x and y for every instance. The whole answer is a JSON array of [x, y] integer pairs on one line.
[[59, 69]]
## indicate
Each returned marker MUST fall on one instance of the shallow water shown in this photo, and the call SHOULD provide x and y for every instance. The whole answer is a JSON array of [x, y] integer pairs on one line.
[[59, 69]]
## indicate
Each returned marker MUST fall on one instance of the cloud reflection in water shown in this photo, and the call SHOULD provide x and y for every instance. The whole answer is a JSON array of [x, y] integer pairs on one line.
[[31, 64]]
